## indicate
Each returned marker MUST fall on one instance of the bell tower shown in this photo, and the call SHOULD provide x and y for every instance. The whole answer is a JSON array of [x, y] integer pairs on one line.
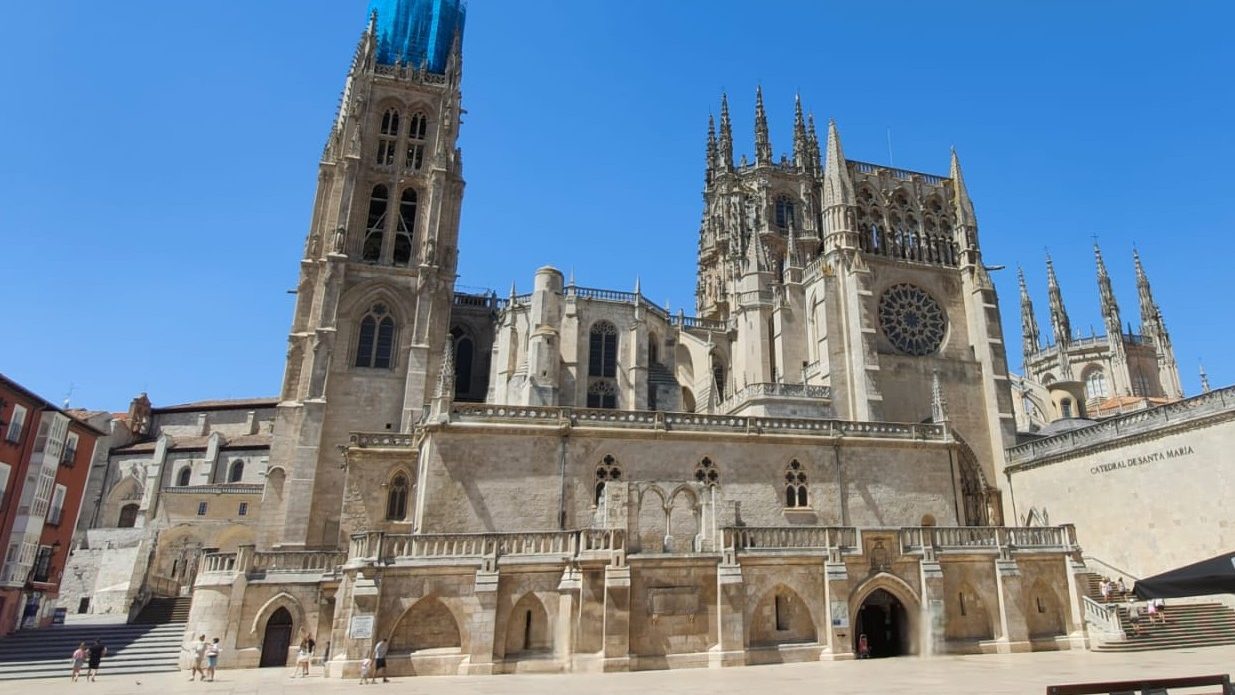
[[377, 276]]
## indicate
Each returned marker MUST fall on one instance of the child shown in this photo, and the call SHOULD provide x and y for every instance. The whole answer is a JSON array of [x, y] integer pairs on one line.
[[366, 671], [79, 658], [212, 658]]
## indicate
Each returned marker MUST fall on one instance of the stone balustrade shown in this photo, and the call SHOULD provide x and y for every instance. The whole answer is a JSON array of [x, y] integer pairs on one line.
[[751, 392], [296, 561], [756, 538], [1105, 617], [440, 546], [485, 413], [214, 563], [1111, 429], [965, 539]]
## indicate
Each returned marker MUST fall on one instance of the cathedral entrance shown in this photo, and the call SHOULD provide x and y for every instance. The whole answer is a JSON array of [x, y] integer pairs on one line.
[[884, 622], [277, 639]]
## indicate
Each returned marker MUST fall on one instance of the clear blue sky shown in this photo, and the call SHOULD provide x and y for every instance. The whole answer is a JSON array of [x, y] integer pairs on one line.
[[160, 158]]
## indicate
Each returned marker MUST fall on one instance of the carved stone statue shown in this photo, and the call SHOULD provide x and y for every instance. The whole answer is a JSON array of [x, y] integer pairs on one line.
[[340, 238]]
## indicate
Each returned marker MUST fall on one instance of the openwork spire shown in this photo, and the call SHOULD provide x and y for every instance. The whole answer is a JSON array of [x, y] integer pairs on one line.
[[725, 141], [1030, 335], [712, 151], [1109, 307], [964, 206], [1151, 317], [801, 143], [1060, 326], [813, 139], [763, 143]]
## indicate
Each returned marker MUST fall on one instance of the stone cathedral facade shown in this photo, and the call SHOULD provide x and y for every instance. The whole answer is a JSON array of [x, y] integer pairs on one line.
[[577, 479]]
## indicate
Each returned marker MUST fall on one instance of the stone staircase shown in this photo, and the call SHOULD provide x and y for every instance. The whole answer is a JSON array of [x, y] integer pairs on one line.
[[165, 610], [131, 649], [1187, 624]]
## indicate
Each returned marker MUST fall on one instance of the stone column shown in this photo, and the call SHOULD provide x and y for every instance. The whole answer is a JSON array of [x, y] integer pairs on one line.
[[730, 649], [568, 589], [934, 612], [1013, 630], [837, 629], [617, 619], [483, 624], [1074, 575]]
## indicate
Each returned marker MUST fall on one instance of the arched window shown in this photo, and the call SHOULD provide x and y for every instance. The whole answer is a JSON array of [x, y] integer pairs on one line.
[[463, 365], [375, 224], [406, 227], [1095, 384], [784, 212], [237, 471], [375, 343], [795, 486], [718, 379], [396, 499], [417, 127], [388, 138], [1065, 406], [602, 351], [128, 516], [182, 479], [606, 471], [601, 393], [707, 473]]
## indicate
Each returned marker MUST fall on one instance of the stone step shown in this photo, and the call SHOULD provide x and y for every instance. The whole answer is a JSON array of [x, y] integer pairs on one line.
[[132, 649]]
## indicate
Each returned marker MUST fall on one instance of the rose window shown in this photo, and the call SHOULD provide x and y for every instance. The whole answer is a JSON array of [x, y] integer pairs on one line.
[[913, 321]]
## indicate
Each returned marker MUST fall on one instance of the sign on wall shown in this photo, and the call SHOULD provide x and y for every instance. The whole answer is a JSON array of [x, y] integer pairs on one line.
[[361, 627]]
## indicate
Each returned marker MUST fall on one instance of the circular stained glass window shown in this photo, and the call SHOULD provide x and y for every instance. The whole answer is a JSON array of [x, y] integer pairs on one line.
[[913, 321]]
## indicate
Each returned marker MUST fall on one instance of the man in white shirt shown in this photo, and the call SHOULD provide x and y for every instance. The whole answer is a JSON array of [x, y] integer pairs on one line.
[[379, 660]]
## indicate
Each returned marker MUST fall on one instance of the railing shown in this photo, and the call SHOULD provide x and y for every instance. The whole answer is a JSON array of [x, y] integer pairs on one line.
[[686, 322], [382, 440], [916, 539], [163, 586], [755, 538], [483, 301], [215, 489], [902, 174], [428, 546], [405, 71], [690, 422], [296, 561], [1194, 408], [218, 562], [1103, 616], [773, 389]]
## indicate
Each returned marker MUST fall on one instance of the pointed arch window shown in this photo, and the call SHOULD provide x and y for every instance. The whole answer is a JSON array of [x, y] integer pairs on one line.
[[464, 351], [784, 211], [396, 498], [182, 479], [406, 227], [795, 486], [375, 224], [237, 472], [602, 350], [718, 379], [375, 342], [388, 138], [1095, 384], [418, 127], [128, 516], [607, 470], [707, 473]]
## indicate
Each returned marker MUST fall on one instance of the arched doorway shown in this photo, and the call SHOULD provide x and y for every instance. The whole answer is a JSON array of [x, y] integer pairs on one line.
[[527, 631], [128, 516], [884, 621], [277, 639]]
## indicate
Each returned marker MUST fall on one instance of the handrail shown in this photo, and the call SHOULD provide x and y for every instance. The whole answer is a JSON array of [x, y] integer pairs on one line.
[[1109, 566], [1105, 616]]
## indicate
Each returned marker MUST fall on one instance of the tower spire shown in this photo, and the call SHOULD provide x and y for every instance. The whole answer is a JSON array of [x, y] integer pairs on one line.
[[801, 143], [813, 139], [1030, 335], [1109, 307], [837, 187], [964, 206], [725, 143], [1154, 327], [763, 144], [712, 151], [1061, 328]]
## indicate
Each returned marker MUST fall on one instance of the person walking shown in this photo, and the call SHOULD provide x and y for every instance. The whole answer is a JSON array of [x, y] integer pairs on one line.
[[197, 652], [79, 658], [304, 655], [379, 660], [366, 671], [212, 658], [94, 655]]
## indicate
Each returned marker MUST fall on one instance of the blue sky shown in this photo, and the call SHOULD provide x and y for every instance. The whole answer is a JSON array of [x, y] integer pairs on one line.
[[160, 158]]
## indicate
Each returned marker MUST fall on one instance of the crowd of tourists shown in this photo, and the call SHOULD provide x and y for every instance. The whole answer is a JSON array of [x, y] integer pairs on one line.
[[1151, 612]]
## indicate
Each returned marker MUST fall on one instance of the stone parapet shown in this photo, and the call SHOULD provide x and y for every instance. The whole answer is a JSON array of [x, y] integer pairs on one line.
[[1153, 421]]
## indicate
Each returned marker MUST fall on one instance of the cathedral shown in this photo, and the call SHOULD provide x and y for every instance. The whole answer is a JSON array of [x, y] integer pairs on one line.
[[578, 479]]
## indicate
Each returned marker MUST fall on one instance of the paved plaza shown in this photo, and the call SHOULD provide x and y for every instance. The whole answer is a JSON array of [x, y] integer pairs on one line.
[[992, 674]]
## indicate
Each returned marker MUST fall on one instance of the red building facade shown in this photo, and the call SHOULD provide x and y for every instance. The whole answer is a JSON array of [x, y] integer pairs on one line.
[[45, 459]]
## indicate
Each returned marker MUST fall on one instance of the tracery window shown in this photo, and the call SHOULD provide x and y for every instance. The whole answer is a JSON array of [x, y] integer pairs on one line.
[[375, 224], [406, 227], [602, 366], [911, 319], [237, 472], [1095, 384], [795, 486], [783, 212], [464, 354], [396, 499], [375, 342], [607, 470], [417, 128], [602, 393], [388, 137], [707, 473]]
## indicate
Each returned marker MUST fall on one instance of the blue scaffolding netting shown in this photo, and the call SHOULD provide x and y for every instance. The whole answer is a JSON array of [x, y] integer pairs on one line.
[[417, 32]]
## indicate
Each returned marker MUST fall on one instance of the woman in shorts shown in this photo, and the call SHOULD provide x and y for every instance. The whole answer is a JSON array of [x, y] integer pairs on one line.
[[212, 658]]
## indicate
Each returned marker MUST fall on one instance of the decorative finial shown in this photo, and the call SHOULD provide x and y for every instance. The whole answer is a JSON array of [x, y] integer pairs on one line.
[[1204, 379], [939, 405]]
